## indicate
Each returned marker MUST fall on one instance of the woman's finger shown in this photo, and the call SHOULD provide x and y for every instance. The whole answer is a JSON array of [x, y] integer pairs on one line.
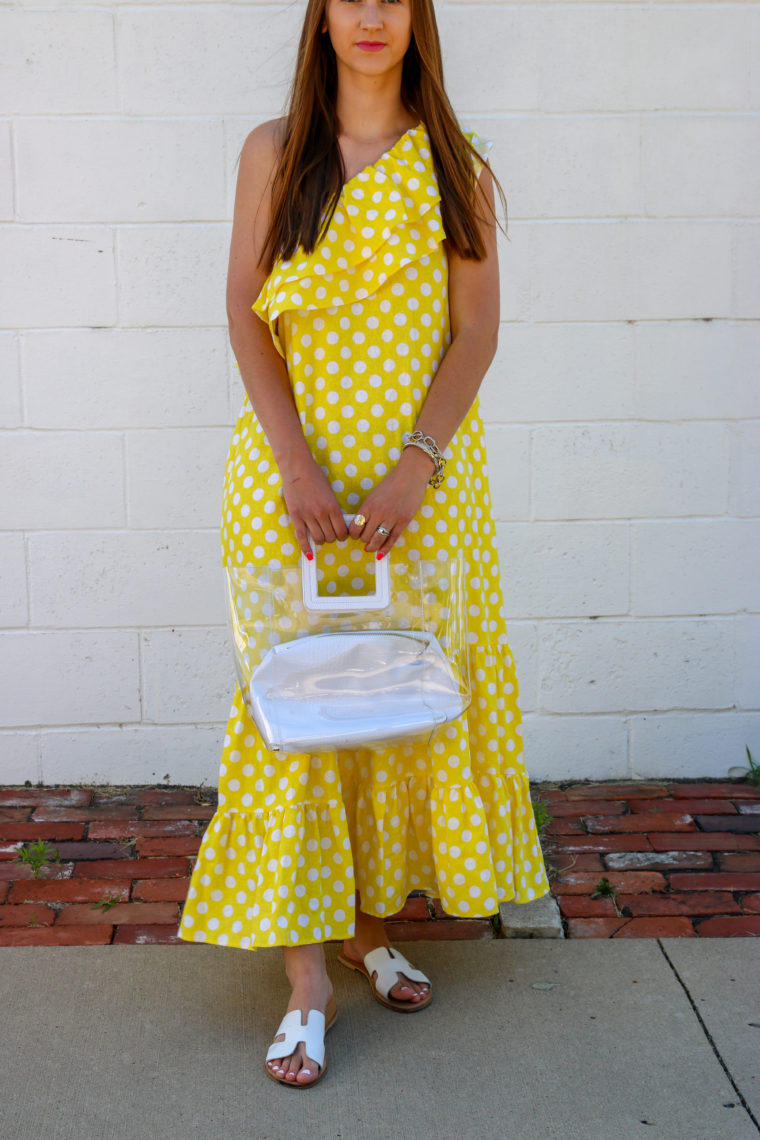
[[333, 526], [315, 530], [357, 525], [339, 525], [302, 537], [379, 534], [387, 541]]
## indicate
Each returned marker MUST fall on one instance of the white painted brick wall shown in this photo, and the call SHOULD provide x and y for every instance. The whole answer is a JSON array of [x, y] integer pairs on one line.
[[54, 276], [90, 579], [564, 569], [748, 661], [175, 690], [69, 677], [678, 563], [13, 598], [6, 174], [155, 496], [603, 666], [124, 378], [622, 410], [625, 470], [61, 480], [11, 414], [120, 170], [172, 275]]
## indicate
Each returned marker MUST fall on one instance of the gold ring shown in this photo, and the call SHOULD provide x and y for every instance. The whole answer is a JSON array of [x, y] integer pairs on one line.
[[360, 520]]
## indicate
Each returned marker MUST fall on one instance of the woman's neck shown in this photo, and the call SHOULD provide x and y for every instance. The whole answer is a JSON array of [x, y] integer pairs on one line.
[[370, 115]]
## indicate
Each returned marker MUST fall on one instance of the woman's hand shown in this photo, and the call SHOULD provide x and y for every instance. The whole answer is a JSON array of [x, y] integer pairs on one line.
[[394, 502], [311, 504]]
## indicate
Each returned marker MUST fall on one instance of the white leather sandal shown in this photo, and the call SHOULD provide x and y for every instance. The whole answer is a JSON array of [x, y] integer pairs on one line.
[[311, 1036], [381, 967]]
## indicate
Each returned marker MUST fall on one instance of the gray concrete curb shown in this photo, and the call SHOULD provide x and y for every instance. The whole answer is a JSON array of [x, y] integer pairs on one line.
[[538, 919]]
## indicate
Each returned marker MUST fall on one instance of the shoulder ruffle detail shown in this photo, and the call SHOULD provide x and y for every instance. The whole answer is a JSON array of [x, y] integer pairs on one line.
[[482, 146], [388, 215]]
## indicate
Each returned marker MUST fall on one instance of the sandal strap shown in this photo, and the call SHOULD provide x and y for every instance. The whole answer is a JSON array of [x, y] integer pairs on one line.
[[312, 1035], [388, 964]]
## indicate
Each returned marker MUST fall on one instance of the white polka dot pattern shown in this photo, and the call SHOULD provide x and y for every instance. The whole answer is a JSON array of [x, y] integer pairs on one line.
[[363, 324]]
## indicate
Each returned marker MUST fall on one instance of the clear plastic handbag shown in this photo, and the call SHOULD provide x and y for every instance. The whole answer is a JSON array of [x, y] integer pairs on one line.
[[324, 662]]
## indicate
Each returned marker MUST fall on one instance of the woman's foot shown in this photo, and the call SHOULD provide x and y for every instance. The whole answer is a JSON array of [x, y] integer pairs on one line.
[[312, 989], [370, 933]]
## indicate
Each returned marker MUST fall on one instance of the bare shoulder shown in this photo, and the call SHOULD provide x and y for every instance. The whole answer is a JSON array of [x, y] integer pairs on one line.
[[262, 149]]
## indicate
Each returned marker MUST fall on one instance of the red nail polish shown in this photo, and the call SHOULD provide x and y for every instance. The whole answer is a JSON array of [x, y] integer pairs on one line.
[[310, 556], [381, 555]]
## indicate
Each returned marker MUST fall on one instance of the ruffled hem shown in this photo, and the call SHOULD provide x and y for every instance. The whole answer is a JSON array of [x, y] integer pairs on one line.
[[283, 876], [260, 878], [388, 216], [466, 843]]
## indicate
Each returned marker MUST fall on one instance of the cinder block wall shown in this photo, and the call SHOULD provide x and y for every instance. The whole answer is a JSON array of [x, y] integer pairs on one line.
[[623, 408]]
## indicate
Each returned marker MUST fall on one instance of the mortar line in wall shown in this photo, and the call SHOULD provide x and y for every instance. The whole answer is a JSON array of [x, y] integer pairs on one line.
[[225, 159], [21, 387], [508, 321], [27, 582], [490, 116], [146, 627], [628, 754], [511, 619], [616, 714], [115, 38], [443, 5], [495, 424], [631, 566], [141, 673], [14, 169], [125, 477], [531, 483], [210, 530], [101, 530], [113, 429], [523, 219], [640, 181], [733, 220], [116, 255], [99, 725]]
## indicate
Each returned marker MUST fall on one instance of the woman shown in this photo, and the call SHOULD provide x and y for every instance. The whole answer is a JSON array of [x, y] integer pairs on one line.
[[364, 233]]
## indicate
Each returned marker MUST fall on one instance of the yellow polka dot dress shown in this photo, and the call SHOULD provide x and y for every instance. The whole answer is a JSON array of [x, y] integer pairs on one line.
[[363, 325]]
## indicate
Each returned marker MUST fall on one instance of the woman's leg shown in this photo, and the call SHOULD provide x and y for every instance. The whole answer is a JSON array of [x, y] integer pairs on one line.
[[312, 989], [370, 933]]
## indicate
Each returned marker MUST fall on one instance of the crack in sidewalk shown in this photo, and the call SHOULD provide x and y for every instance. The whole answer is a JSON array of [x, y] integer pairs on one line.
[[710, 1040]]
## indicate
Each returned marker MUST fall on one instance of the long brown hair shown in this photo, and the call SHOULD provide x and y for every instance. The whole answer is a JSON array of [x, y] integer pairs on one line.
[[311, 173]]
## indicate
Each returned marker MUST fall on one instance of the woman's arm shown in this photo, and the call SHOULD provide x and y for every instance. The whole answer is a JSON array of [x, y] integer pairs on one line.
[[474, 316], [309, 498]]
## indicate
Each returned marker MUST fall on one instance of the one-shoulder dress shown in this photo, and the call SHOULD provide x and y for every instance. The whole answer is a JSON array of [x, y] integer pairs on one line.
[[363, 324]]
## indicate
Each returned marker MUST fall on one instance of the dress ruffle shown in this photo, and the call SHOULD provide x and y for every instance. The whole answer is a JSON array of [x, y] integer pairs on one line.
[[262, 864], [388, 216], [472, 842]]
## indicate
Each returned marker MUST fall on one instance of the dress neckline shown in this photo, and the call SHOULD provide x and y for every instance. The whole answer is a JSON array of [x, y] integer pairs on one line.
[[385, 155]]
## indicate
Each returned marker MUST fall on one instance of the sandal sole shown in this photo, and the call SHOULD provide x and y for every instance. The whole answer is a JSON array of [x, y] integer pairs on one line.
[[391, 1003]]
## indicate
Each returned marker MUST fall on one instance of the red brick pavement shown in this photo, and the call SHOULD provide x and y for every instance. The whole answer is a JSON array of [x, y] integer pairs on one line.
[[670, 860], [675, 859]]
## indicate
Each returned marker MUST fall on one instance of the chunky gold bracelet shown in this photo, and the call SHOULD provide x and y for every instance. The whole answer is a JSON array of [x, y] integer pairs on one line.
[[427, 444]]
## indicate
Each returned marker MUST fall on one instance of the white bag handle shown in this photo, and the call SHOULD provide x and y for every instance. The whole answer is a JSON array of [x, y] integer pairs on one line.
[[313, 600]]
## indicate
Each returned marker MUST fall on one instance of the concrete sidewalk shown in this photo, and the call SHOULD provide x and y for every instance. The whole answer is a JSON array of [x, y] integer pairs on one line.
[[525, 1040]]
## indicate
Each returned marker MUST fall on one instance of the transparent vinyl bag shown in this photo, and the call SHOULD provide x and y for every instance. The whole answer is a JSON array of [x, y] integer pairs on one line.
[[325, 663]]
